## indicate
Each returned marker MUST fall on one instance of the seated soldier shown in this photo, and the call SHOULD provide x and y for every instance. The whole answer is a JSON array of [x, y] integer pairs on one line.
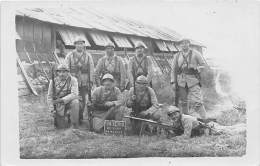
[[64, 97], [143, 102], [106, 101]]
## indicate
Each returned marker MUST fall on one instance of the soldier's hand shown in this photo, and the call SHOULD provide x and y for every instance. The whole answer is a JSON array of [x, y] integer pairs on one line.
[[133, 97], [109, 104], [58, 101]]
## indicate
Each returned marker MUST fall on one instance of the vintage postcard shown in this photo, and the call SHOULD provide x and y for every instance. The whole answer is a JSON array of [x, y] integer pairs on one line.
[[159, 82]]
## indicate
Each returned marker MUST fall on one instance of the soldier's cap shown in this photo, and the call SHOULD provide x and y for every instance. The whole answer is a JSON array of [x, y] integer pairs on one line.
[[63, 67], [142, 80], [172, 109], [108, 77], [184, 40], [78, 40], [140, 44], [110, 45]]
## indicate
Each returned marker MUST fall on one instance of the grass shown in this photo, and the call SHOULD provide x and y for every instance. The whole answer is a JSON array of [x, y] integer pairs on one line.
[[39, 139]]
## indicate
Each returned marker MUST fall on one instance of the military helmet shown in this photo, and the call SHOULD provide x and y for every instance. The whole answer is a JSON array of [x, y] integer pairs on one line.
[[140, 44], [110, 44], [108, 77], [172, 109], [184, 40], [79, 39], [63, 67], [141, 80]]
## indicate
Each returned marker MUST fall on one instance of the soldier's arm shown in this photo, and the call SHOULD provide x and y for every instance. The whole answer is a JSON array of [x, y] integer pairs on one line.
[[187, 126], [129, 72], [129, 101], [150, 69], [97, 103], [173, 69], [119, 97], [92, 78], [67, 59], [97, 72], [50, 96], [74, 91], [154, 100], [200, 61], [122, 73]]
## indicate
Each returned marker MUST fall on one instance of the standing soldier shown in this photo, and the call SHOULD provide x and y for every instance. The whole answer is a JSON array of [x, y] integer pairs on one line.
[[106, 100], [186, 69], [81, 66], [63, 95], [113, 65], [140, 65]]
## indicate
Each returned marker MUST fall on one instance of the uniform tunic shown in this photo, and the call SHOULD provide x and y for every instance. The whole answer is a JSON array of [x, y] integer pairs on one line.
[[99, 97], [146, 101], [191, 101], [81, 64], [140, 66], [114, 66], [68, 94]]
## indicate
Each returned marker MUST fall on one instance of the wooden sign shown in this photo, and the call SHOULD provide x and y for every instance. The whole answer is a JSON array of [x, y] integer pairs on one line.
[[113, 127]]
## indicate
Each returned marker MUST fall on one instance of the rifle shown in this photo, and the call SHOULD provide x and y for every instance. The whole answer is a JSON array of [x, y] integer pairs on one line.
[[176, 101], [90, 108], [54, 95], [134, 107]]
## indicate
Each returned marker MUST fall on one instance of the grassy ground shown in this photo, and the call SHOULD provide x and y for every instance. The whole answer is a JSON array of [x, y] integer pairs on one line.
[[39, 139]]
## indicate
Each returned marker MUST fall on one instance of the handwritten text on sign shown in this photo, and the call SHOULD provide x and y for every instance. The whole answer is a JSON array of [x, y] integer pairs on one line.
[[113, 127]]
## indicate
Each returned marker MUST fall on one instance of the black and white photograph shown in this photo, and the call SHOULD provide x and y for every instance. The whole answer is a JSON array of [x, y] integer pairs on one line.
[[132, 79]]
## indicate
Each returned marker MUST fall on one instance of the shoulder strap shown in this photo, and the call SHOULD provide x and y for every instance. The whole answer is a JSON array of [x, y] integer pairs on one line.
[[61, 89]]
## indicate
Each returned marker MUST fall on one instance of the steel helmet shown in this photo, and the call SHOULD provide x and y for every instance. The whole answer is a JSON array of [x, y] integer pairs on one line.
[[79, 39], [140, 44], [184, 40], [108, 77], [110, 44], [63, 67], [142, 80], [172, 109]]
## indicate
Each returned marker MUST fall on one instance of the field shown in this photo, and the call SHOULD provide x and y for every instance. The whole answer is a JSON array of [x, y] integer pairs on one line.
[[39, 139]]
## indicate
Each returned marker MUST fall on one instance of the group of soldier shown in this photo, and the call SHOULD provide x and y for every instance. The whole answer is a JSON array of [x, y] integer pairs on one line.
[[70, 91]]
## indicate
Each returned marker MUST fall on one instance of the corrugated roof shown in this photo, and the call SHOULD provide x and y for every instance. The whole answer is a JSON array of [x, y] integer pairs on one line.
[[93, 19], [69, 36], [100, 38], [161, 45], [122, 41]]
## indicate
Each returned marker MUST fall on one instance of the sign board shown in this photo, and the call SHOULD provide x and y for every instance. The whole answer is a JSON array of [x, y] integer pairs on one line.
[[113, 127]]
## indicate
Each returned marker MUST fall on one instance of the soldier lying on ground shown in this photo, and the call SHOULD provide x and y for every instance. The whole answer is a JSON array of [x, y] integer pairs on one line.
[[65, 98], [143, 101], [106, 102], [186, 126]]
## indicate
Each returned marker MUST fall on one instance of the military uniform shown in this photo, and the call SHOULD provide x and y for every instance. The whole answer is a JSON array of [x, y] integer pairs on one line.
[[140, 66], [81, 65], [100, 96], [67, 90], [188, 79], [145, 105], [113, 65]]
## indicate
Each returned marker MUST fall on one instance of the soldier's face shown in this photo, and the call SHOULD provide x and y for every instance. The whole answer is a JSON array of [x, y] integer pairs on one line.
[[175, 116], [108, 84], [110, 51], [140, 87], [185, 45], [63, 74], [139, 51], [80, 46]]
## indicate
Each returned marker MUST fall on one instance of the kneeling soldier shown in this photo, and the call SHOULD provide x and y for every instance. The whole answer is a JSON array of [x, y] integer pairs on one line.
[[143, 102], [63, 94], [106, 101]]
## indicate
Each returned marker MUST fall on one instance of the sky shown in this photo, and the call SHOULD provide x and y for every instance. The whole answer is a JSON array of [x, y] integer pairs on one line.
[[229, 30]]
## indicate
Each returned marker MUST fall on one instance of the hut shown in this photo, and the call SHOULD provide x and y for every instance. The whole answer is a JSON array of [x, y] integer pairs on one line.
[[46, 35]]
